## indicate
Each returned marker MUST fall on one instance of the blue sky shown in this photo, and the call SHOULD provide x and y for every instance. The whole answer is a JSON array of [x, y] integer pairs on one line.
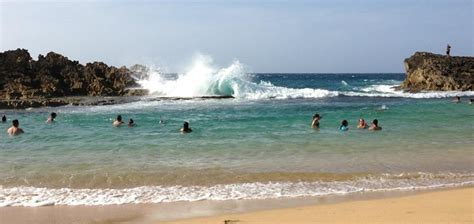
[[267, 36]]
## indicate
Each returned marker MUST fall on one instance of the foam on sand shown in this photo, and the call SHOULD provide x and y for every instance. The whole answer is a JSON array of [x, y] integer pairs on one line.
[[32, 196]]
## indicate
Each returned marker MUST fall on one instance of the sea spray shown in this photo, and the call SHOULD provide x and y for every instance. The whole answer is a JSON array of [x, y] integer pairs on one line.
[[204, 79]]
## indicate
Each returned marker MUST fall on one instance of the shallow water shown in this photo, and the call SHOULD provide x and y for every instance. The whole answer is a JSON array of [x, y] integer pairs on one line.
[[258, 145]]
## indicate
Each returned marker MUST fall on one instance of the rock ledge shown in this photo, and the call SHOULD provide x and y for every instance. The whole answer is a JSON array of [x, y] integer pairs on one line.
[[434, 72]]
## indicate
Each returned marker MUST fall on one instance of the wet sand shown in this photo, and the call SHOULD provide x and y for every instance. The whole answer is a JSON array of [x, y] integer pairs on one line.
[[441, 206], [450, 206]]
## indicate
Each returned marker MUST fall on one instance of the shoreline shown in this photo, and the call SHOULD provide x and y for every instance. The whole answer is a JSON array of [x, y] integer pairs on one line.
[[434, 206], [253, 211]]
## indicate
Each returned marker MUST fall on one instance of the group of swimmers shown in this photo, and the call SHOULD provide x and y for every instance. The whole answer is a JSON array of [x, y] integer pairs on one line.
[[16, 130], [457, 99], [118, 122], [345, 124]]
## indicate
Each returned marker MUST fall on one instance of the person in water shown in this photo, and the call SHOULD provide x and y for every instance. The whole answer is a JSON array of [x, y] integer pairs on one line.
[[457, 99], [375, 126], [344, 126], [4, 118], [186, 128], [131, 123], [118, 121], [362, 124], [15, 129], [51, 118], [315, 121]]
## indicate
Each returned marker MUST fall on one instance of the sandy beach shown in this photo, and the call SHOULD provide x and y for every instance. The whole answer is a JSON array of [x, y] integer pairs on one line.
[[442, 206], [449, 206]]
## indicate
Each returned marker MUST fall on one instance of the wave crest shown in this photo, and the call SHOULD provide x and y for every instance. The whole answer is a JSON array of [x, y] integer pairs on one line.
[[203, 79]]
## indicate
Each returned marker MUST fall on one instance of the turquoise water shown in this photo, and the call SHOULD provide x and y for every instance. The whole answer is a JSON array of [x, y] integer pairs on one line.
[[247, 147]]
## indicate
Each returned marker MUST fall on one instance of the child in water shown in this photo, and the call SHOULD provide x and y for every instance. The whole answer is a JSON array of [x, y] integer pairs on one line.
[[362, 124], [51, 118], [375, 126], [315, 121], [344, 126], [131, 123], [186, 128]]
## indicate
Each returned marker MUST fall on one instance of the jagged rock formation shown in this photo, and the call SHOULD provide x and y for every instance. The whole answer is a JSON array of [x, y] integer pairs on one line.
[[53, 75], [428, 71]]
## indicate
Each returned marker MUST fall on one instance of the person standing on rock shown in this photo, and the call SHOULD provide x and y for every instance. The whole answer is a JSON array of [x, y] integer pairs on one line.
[[448, 50]]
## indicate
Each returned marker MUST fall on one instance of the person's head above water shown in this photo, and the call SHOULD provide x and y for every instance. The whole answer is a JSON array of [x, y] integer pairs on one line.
[[362, 123], [344, 123], [186, 127], [316, 116], [4, 118], [53, 115], [15, 123], [375, 122], [131, 123], [375, 125], [119, 118]]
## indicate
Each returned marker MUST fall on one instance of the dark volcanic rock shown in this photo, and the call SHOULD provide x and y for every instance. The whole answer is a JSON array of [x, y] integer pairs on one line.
[[54, 75], [428, 71]]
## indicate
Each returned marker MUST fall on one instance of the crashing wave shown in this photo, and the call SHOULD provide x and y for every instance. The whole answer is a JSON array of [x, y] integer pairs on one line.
[[204, 79]]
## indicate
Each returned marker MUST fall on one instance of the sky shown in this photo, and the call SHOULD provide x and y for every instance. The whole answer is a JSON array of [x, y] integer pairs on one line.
[[331, 36]]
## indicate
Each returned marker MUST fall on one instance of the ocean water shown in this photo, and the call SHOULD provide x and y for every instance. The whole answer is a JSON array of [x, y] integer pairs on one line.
[[257, 145]]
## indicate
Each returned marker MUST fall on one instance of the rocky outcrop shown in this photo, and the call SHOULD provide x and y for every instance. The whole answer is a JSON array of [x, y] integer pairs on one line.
[[428, 71], [53, 75]]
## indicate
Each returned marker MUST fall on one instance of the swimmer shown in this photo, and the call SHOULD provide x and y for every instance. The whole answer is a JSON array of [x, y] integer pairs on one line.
[[131, 123], [470, 102], [186, 128], [457, 99], [118, 121], [14, 129], [161, 121], [362, 124], [344, 126], [4, 118], [375, 126], [51, 118], [315, 121]]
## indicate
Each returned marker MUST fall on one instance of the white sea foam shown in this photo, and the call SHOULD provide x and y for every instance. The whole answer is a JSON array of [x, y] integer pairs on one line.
[[205, 79], [32, 196], [390, 91]]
